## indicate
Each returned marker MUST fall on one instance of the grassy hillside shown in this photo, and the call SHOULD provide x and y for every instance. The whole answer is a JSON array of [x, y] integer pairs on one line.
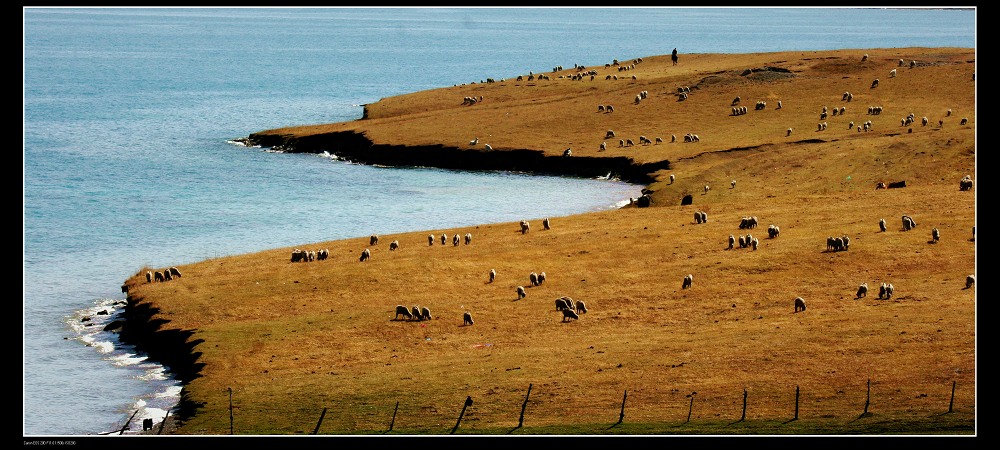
[[292, 340]]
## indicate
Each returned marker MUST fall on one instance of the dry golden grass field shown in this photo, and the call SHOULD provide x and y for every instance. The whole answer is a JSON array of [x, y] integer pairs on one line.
[[283, 348]]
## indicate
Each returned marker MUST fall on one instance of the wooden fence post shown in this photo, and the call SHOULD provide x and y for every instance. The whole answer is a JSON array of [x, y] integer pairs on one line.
[[951, 403], [796, 403], [468, 403], [125, 427], [744, 415], [393, 422], [164, 422], [621, 415], [320, 421], [230, 410], [690, 406], [520, 421]]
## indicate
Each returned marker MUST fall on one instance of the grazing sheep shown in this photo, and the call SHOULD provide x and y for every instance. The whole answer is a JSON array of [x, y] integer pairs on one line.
[[149, 276], [468, 238], [621, 143], [706, 188], [658, 140], [704, 217], [444, 239], [158, 276], [697, 216], [425, 313], [416, 313], [862, 290], [901, 62], [493, 275], [892, 73], [430, 239], [865, 57], [773, 231], [671, 178], [488, 147], [732, 241], [402, 311], [456, 240], [365, 255], [323, 254], [629, 143], [779, 104], [525, 226], [569, 314], [167, 275], [736, 101], [610, 134], [935, 235], [546, 224], [298, 255], [800, 304], [948, 113], [604, 146], [754, 243], [965, 121], [743, 242], [882, 290], [908, 223], [881, 224], [673, 138], [874, 83], [563, 303], [541, 278], [533, 278], [965, 184], [520, 292], [581, 307], [788, 132], [467, 318], [688, 279], [393, 245], [923, 121], [969, 281], [373, 240], [175, 272]]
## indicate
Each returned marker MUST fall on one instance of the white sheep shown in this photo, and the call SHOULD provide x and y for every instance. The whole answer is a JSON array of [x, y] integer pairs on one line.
[[533, 279], [788, 132], [444, 239], [732, 241], [456, 240], [732, 184], [430, 239], [881, 224], [892, 73], [541, 278], [671, 178], [493, 275], [402, 311], [468, 238], [174, 272], [488, 147], [474, 141], [604, 146], [416, 313], [935, 234], [754, 243], [546, 224], [706, 188], [862, 290], [688, 279], [365, 255], [525, 227], [393, 245], [965, 184], [520, 292]]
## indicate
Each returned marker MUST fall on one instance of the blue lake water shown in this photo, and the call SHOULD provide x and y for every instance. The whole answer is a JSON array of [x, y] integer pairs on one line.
[[129, 114]]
